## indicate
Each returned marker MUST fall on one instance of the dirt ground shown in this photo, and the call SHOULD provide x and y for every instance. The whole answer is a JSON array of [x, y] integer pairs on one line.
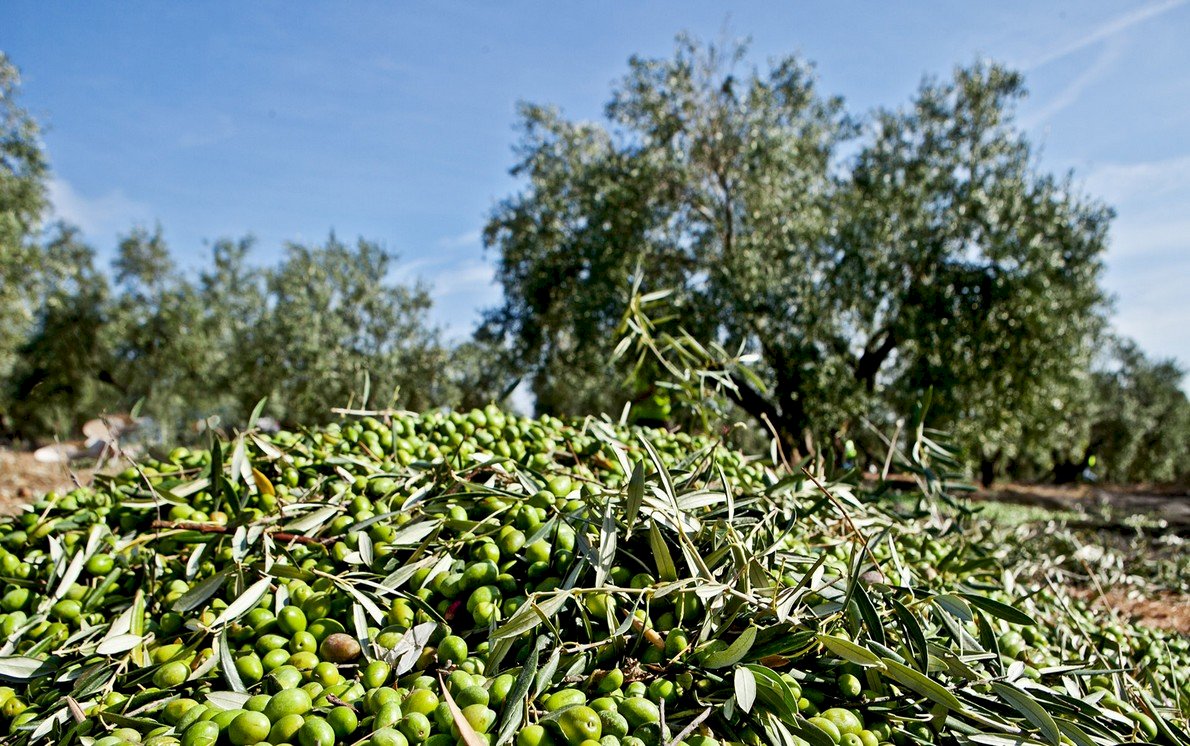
[[23, 479], [1169, 504], [1106, 509], [1169, 611]]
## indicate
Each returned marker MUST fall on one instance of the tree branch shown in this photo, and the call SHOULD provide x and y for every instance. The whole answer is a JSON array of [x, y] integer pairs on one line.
[[216, 528], [750, 400], [870, 362]]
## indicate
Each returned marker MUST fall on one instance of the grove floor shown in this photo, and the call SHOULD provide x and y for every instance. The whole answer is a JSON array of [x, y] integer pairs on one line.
[[23, 479]]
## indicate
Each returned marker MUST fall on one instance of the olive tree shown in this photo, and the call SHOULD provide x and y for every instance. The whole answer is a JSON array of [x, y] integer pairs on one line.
[[24, 172], [324, 327], [236, 308], [154, 328], [1139, 420], [337, 327], [964, 270], [714, 184], [867, 260], [61, 373]]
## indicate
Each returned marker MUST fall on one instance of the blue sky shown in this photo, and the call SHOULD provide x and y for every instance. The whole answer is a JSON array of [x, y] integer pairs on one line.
[[395, 121]]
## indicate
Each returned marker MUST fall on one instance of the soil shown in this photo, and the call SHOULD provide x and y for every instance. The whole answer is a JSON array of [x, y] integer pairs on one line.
[[1103, 504], [24, 478], [1163, 509], [1170, 611]]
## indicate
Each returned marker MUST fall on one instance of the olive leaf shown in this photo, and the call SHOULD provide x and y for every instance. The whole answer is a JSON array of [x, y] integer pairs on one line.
[[403, 657], [666, 570], [745, 688], [227, 664], [243, 603], [19, 668], [920, 683], [513, 712], [201, 593], [1004, 611], [228, 700], [734, 652], [636, 495], [256, 411], [466, 733], [530, 615], [954, 606], [313, 520], [116, 644], [849, 650]]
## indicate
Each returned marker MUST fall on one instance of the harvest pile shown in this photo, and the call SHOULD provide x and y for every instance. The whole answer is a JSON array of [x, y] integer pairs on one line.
[[479, 578]]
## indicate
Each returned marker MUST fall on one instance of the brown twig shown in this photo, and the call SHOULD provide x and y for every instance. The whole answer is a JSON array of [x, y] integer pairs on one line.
[[777, 439], [690, 727], [863, 541], [216, 528], [649, 633], [339, 702]]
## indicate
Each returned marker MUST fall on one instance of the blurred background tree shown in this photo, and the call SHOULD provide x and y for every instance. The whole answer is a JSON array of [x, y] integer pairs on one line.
[[60, 374], [23, 174], [333, 316], [154, 334], [1140, 424], [971, 274]]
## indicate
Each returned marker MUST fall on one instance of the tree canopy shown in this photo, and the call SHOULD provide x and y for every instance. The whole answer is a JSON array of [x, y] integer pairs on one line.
[[324, 327], [867, 258], [23, 175], [321, 328], [1140, 423]]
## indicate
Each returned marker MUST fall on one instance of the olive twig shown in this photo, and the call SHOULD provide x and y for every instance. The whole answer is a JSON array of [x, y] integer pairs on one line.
[[215, 528]]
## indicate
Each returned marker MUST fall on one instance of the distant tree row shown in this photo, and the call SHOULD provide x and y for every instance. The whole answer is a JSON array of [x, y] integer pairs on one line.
[[324, 327], [869, 261], [320, 329]]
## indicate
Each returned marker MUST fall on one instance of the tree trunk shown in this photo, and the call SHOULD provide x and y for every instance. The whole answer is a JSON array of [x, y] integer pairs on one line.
[[987, 470], [869, 363], [1067, 471], [789, 425]]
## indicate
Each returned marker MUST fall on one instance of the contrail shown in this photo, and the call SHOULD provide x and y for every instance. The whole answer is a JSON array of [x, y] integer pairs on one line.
[[1107, 30]]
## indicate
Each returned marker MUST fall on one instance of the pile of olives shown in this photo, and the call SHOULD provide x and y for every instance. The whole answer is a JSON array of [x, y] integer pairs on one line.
[[483, 578]]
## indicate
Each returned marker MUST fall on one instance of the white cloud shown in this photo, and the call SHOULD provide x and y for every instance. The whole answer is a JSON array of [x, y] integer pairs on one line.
[[460, 289], [411, 270], [1151, 238], [1151, 306], [465, 277], [462, 283], [461, 241], [470, 283], [1105, 31], [1123, 182], [1111, 35], [1152, 200], [1149, 261], [99, 216], [1074, 90]]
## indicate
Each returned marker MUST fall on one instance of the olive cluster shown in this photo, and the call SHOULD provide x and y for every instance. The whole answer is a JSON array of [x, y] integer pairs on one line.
[[356, 584]]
